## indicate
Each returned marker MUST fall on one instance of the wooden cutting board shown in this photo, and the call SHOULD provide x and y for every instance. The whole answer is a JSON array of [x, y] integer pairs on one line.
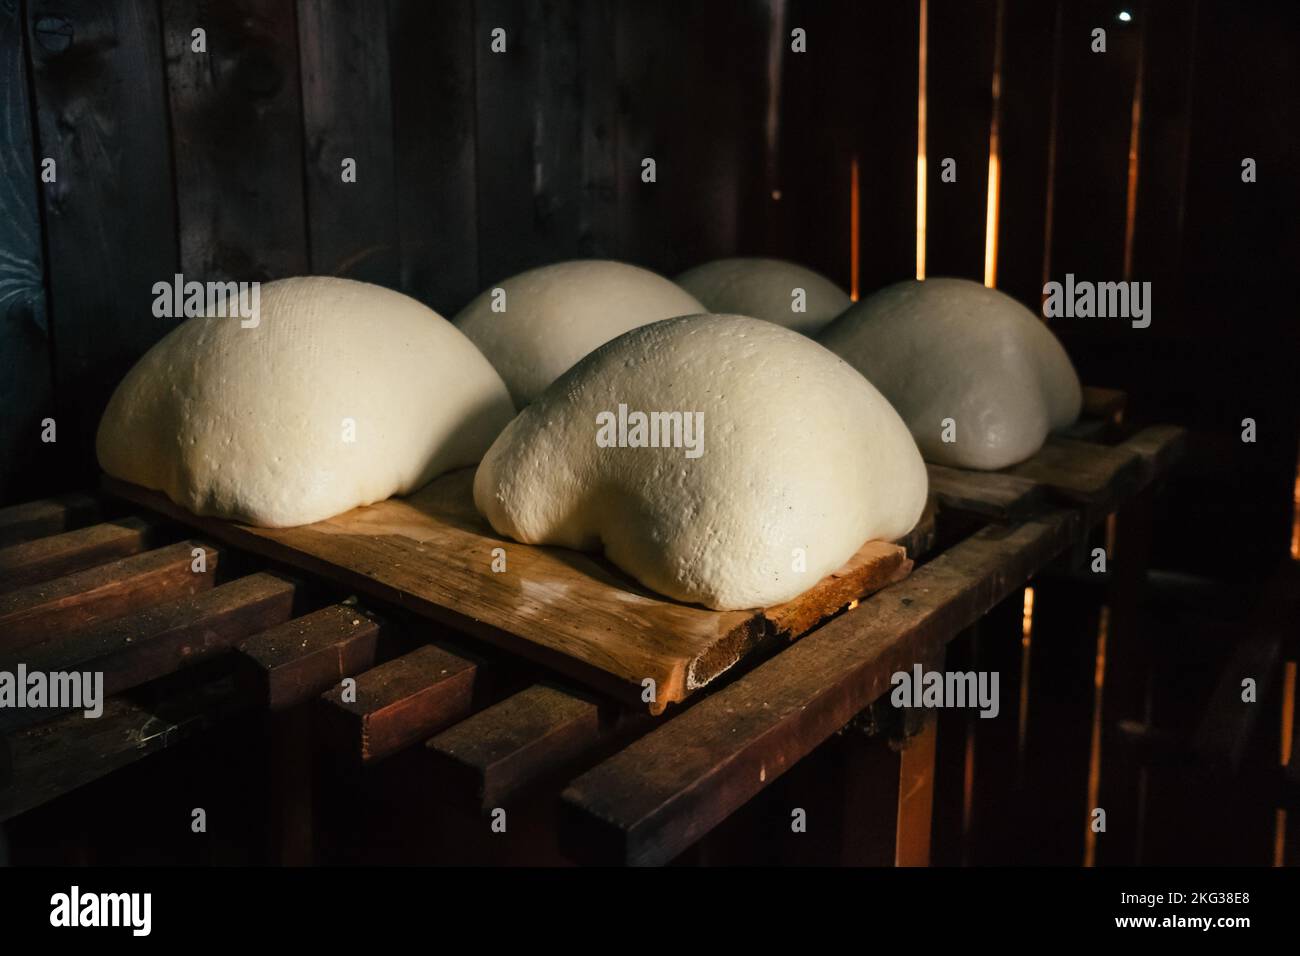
[[432, 553]]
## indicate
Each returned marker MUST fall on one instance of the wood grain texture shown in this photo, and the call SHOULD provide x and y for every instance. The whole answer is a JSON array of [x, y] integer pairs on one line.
[[160, 640], [658, 796], [989, 494], [492, 755], [110, 223], [432, 56], [1095, 476], [348, 114], [399, 703], [237, 139], [35, 519], [302, 658], [61, 755], [25, 387], [60, 554], [432, 553], [46, 610], [545, 134], [959, 97]]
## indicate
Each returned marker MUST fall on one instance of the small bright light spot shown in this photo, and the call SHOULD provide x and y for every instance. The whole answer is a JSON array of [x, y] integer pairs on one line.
[[1125, 16], [776, 195]]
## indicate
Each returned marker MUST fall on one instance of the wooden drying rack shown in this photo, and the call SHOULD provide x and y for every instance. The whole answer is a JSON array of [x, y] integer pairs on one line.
[[89, 583]]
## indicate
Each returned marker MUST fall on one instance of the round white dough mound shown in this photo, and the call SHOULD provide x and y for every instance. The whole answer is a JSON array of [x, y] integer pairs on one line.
[[951, 348], [799, 451], [249, 423], [556, 314], [764, 288]]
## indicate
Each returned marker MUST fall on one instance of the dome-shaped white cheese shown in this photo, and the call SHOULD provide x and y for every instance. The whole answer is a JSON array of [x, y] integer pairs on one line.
[[961, 361], [341, 395], [775, 462], [554, 315], [767, 289]]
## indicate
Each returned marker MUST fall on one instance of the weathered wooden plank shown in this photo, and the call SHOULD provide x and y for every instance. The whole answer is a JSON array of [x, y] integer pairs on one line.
[[959, 95], [503, 748], [110, 224], [237, 139], [656, 797], [1091, 177], [35, 519], [578, 614], [690, 95], [60, 554], [1159, 447], [42, 611], [1029, 73], [159, 640], [400, 703], [302, 658], [546, 185], [26, 463], [989, 494], [59, 756], [347, 114], [1095, 476], [432, 54]]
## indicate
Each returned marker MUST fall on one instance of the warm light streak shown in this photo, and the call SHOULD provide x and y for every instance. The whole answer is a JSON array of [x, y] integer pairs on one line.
[[1295, 517], [1285, 751], [1026, 645], [1135, 128], [1094, 750], [855, 231], [920, 149], [995, 161]]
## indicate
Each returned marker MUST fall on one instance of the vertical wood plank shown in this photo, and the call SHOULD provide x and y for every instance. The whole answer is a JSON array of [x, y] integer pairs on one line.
[[824, 126], [348, 114], [237, 134], [109, 218], [958, 110], [692, 96], [1028, 74], [1090, 204], [432, 54], [26, 463], [545, 122]]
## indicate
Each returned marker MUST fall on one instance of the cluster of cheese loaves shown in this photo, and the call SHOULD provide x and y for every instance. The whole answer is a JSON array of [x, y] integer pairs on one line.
[[813, 413]]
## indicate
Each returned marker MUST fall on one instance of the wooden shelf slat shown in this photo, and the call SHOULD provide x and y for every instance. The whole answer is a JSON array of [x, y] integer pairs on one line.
[[655, 798], [301, 659], [989, 494], [400, 703], [58, 756], [1096, 477], [159, 640], [40, 611], [35, 519], [71, 551], [499, 750]]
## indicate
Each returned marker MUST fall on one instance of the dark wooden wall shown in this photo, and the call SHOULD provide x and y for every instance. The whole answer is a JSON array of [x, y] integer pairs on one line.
[[473, 165]]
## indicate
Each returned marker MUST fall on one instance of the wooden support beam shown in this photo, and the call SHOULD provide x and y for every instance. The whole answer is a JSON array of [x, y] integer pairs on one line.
[[57, 757], [300, 659], [36, 519], [399, 704], [160, 640], [658, 796], [497, 752], [71, 551], [41, 611]]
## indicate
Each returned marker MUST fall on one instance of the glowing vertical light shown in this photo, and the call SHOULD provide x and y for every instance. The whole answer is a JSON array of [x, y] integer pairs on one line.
[[995, 161]]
